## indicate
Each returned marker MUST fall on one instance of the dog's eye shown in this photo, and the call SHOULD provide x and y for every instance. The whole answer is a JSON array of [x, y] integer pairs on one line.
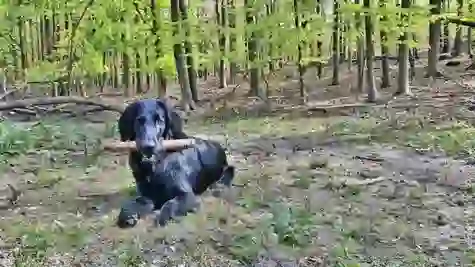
[[141, 120], [156, 117]]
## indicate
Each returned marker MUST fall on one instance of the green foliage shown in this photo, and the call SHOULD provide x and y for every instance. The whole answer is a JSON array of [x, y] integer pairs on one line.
[[108, 32]]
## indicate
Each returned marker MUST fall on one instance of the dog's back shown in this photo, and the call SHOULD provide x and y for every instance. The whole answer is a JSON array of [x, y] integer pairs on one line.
[[197, 167]]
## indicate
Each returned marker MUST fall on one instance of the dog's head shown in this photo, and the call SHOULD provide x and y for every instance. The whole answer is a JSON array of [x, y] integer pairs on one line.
[[146, 122]]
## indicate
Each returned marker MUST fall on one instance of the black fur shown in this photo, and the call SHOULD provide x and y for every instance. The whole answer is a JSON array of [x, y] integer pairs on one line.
[[177, 180], [147, 122]]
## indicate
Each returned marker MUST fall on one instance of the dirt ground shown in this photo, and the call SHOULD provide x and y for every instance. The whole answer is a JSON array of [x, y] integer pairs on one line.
[[360, 185]]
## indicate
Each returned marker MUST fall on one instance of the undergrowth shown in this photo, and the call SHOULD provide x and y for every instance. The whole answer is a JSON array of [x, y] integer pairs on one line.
[[453, 139], [260, 220], [22, 138]]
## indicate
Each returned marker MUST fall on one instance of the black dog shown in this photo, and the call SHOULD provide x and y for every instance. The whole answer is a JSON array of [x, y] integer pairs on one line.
[[148, 122], [176, 181]]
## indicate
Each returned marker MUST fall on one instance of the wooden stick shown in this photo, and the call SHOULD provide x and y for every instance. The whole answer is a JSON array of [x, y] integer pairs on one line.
[[169, 145]]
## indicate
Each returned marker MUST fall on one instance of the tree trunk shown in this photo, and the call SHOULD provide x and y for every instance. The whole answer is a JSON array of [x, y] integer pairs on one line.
[[105, 75], [412, 64], [458, 34], [342, 42], [403, 79], [446, 38], [385, 79], [186, 98], [233, 69], [372, 92], [270, 53], [253, 51], [39, 37], [115, 70], [190, 61], [360, 56], [156, 23], [126, 74], [414, 50], [469, 33], [22, 44], [336, 44], [319, 42], [303, 94], [138, 73], [221, 17], [434, 39], [35, 48]]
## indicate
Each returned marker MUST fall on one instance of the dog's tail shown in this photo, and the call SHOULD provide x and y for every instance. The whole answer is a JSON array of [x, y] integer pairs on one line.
[[227, 176]]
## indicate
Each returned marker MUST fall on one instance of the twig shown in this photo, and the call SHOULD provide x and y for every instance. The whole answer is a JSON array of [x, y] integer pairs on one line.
[[357, 182], [9, 93], [170, 145], [370, 158], [343, 106]]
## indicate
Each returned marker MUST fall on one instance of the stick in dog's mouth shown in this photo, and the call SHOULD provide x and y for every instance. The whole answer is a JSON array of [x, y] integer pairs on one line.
[[168, 145]]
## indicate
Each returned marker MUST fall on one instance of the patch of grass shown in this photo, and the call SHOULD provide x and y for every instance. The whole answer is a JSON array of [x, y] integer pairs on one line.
[[454, 138], [271, 126], [35, 242], [273, 208], [48, 136]]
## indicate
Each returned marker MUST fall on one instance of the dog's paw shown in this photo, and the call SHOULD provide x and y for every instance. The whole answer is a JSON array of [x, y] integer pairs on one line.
[[127, 220], [168, 211]]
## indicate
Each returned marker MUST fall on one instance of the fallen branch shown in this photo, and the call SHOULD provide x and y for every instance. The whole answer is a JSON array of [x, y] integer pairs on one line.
[[43, 101], [24, 111], [169, 145]]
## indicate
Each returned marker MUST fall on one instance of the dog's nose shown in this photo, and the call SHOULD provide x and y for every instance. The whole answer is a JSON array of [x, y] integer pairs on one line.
[[147, 150]]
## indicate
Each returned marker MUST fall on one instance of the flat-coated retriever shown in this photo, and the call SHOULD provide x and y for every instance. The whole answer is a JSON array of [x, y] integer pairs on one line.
[[176, 181], [148, 122]]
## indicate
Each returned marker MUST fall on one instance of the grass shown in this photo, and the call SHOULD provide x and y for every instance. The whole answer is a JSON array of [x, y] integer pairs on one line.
[[282, 209]]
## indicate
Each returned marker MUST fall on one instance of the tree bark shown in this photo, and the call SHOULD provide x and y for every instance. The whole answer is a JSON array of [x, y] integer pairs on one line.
[[403, 79], [253, 51], [434, 39], [156, 22], [446, 36], [360, 56], [336, 44], [190, 61], [385, 79], [186, 98], [458, 34], [221, 17], [233, 69], [372, 92], [298, 25]]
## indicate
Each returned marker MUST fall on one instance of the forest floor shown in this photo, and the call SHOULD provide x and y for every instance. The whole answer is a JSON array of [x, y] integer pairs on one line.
[[352, 185]]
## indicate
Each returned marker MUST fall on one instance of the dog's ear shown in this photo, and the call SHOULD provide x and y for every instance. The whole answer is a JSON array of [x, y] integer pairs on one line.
[[228, 175], [126, 122], [175, 122]]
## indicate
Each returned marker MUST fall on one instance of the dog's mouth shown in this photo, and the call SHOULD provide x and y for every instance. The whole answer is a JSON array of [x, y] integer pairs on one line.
[[149, 158]]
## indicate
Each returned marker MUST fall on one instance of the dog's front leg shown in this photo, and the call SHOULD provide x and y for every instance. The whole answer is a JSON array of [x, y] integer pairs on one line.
[[224, 182], [177, 207]]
